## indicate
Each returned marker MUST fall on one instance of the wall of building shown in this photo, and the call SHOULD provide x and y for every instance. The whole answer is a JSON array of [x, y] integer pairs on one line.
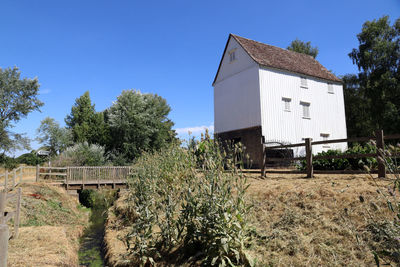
[[242, 61], [327, 114], [251, 139], [237, 102]]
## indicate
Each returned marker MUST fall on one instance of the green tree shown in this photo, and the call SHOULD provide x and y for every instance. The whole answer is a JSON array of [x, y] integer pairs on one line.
[[18, 97], [378, 60], [303, 47], [138, 122], [55, 138], [85, 123], [358, 118]]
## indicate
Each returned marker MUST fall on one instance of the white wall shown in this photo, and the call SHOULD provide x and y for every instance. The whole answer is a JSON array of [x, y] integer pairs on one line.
[[237, 102], [327, 113], [236, 92], [243, 61]]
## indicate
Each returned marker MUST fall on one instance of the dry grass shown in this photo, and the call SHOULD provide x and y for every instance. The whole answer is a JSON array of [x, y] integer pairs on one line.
[[313, 222], [42, 246], [51, 224], [115, 231], [295, 221]]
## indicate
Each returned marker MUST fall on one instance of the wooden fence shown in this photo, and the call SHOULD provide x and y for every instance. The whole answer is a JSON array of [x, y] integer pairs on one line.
[[379, 138], [13, 178], [5, 234]]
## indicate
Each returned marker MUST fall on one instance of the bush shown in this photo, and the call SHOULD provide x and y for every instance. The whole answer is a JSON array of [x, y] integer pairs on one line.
[[8, 162], [199, 214], [343, 164], [30, 159], [81, 154]]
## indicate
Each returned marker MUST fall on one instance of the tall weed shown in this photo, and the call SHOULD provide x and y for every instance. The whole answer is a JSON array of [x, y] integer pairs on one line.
[[191, 203]]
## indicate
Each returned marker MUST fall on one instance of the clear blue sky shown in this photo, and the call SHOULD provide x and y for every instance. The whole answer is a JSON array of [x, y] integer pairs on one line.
[[171, 48]]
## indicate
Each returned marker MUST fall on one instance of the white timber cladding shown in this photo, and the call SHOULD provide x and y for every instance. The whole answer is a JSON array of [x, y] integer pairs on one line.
[[236, 91], [326, 114], [288, 106]]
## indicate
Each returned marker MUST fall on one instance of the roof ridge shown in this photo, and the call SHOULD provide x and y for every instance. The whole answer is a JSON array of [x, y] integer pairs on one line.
[[289, 59], [285, 49]]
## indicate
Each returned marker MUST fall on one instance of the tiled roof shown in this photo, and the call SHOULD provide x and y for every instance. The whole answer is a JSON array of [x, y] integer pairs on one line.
[[279, 58]]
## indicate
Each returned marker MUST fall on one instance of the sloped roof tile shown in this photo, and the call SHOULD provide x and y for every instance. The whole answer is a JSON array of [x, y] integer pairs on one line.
[[279, 58]]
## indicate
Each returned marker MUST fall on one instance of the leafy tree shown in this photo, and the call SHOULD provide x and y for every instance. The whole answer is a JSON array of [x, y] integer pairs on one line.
[[138, 122], [18, 97], [54, 137], [303, 47], [378, 60], [85, 123], [358, 119]]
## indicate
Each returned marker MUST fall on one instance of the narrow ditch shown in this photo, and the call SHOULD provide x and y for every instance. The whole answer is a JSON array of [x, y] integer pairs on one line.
[[91, 252]]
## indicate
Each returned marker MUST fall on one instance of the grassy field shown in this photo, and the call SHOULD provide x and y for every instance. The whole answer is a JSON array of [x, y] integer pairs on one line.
[[295, 221], [314, 222], [51, 224]]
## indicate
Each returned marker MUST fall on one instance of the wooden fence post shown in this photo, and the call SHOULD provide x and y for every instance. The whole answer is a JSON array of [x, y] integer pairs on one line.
[[264, 160], [37, 173], [21, 173], [6, 181], [14, 177], [309, 156], [3, 203], [380, 147], [67, 178], [4, 235], [17, 212]]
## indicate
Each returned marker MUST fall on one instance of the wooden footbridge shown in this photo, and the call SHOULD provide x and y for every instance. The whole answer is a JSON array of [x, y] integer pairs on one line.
[[71, 178], [78, 178]]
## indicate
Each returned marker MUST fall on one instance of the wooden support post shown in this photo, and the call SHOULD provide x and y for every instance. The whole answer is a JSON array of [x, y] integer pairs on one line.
[[67, 178], [37, 173], [14, 178], [309, 156], [3, 203], [264, 161], [21, 173], [380, 147], [17, 213], [4, 235], [6, 181]]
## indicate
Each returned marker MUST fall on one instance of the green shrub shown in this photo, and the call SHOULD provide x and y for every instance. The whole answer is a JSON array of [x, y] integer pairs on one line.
[[82, 154], [30, 159], [346, 163], [201, 214]]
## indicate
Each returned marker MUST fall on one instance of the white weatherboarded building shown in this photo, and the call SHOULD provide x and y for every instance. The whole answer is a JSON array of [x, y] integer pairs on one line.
[[264, 93]]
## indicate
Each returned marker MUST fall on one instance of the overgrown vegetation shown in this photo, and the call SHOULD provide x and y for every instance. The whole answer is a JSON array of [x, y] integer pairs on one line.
[[386, 232], [180, 214]]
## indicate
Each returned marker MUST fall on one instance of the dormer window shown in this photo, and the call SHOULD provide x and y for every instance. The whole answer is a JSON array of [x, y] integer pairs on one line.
[[303, 82], [330, 88], [232, 55]]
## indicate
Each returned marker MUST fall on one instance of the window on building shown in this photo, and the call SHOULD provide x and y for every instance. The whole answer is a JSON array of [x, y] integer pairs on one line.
[[330, 88], [325, 137], [232, 55], [303, 82], [286, 103], [306, 110]]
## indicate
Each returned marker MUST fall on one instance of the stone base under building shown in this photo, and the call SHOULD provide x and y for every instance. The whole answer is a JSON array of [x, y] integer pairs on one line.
[[251, 138]]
